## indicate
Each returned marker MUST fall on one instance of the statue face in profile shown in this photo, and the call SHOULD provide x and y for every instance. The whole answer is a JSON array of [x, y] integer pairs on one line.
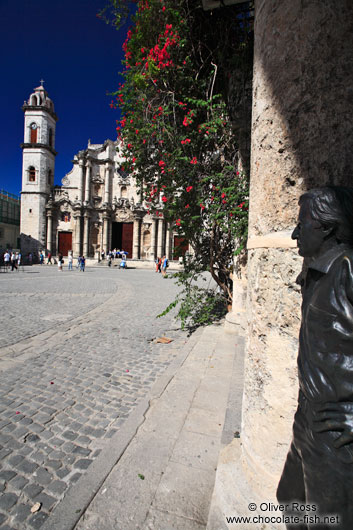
[[309, 233]]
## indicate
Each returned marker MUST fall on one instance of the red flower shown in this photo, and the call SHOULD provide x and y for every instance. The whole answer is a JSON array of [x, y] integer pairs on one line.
[[187, 206], [178, 222], [161, 163], [193, 160], [164, 198], [129, 146], [224, 201], [202, 206], [189, 188], [223, 195]]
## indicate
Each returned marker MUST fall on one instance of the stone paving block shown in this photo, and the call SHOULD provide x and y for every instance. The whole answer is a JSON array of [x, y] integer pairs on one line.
[[35, 427], [27, 467], [56, 442], [32, 438], [53, 464], [7, 474], [18, 482], [39, 457], [32, 490], [83, 463], [21, 512], [57, 455], [57, 486], [78, 450], [70, 435], [9, 427], [42, 476], [74, 478], [15, 460], [7, 500], [47, 501], [62, 472], [25, 450], [5, 452], [83, 440], [38, 520]]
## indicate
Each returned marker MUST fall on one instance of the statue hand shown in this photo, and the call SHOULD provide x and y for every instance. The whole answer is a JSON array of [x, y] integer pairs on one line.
[[336, 417]]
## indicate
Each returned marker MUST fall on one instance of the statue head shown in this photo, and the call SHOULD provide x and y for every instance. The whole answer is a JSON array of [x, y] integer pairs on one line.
[[325, 219]]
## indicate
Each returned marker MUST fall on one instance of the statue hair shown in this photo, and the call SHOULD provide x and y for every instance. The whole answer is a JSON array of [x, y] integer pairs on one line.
[[332, 206]]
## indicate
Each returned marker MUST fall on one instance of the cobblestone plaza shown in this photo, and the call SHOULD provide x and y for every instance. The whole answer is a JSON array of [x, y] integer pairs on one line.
[[77, 355]]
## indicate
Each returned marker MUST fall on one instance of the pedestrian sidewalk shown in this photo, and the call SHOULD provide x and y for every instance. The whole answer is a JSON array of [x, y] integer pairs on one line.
[[159, 470]]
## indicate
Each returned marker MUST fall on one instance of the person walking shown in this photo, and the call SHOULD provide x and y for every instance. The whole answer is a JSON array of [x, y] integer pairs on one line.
[[60, 262], [49, 259], [70, 260], [7, 258], [13, 261], [41, 257], [82, 264], [164, 265]]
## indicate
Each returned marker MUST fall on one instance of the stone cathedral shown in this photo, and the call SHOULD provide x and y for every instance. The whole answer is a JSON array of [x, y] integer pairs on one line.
[[96, 208]]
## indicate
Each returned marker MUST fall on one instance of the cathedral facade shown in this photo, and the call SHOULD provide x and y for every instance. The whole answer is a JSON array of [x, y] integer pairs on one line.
[[97, 207]]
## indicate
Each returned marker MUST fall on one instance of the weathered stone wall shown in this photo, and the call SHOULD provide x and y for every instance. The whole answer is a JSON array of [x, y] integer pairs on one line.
[[302, 137]]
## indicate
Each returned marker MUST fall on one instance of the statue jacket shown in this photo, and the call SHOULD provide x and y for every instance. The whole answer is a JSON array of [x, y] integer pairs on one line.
[[325, 360]]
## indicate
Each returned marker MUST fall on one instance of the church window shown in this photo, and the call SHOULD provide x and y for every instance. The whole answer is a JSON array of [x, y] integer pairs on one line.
[[51, 137], [34, 130], [123, 192], [31, 174], [66, 217], [49, 177]]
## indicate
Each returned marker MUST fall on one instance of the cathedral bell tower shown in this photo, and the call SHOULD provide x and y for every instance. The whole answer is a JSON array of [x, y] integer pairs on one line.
[[37, 168]]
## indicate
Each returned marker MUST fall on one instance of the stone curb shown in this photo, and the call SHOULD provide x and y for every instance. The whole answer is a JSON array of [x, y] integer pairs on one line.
[[68, 512]]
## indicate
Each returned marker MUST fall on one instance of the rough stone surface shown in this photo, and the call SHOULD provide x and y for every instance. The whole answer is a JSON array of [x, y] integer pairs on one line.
[[73, 370], [301, 138]]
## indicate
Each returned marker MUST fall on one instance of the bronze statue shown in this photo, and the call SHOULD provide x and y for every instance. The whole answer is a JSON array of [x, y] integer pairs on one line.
[[318, 472]]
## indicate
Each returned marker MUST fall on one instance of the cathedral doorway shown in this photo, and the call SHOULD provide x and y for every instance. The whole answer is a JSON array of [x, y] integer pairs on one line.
[[181, 246], [122, 236], [64, 243]]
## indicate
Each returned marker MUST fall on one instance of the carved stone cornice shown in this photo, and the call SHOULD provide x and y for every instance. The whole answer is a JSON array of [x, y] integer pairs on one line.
[[37, 146]]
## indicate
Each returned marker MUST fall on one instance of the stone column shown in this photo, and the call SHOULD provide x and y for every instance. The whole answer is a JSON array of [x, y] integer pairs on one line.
[[168, 242], [50, 231], [88, 181], [107, 184], [302, 138], [160, 238], [86, 234], [81, 164], [106, 234], [78, 231], [136, 239], [153, 238]]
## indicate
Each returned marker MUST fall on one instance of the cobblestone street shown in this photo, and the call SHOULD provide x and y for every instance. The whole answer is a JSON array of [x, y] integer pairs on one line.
[[76, 357]]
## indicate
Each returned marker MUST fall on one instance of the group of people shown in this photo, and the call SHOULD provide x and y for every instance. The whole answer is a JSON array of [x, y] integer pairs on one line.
[[80, 264], [161, 265], [113, 254], [12, 259]]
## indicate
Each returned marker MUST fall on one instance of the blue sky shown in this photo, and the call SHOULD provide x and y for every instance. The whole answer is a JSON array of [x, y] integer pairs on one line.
[[78, 56]]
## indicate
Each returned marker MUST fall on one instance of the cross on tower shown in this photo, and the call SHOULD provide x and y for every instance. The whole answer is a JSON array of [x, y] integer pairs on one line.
[[41, 82]]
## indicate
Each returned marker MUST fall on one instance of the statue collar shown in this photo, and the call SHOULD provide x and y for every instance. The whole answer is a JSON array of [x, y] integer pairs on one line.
[[323, 263]]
